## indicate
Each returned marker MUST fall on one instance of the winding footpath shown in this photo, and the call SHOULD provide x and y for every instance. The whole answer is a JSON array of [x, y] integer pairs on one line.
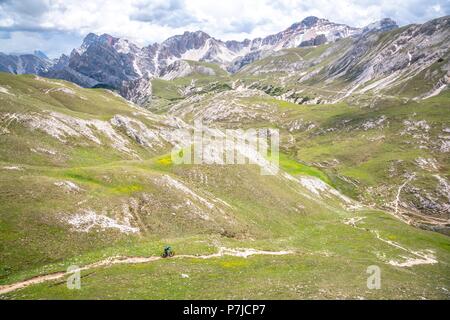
[[418, 257], [239, 252]]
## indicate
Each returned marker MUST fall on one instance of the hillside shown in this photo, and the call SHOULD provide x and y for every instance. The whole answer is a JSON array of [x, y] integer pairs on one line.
[[87, 179]]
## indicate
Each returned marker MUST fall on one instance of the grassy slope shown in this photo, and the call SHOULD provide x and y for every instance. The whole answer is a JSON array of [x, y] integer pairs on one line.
[[165, 92], [345, 146], [306, 71], [329, 261]]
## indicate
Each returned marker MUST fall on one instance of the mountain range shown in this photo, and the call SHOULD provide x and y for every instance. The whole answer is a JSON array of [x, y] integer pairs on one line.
[[109, 61]]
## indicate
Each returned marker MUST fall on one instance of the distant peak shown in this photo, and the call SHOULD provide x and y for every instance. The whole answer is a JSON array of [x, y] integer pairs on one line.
[[198, 33], [40, 54], [382, 25], [93, 38], [388, 20], [90, 37], [309, 21], [189, 35], [107, 36]]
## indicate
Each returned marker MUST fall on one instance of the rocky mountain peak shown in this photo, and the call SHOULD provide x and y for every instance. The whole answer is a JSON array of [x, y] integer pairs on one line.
[[382, 25], [90, 39], [309, 22], [187, 37], [107, 39], [40, 54], [93, 39], [108, 60]]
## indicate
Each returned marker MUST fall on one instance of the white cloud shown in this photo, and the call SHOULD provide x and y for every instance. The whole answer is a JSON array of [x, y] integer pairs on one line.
[[31, 24]]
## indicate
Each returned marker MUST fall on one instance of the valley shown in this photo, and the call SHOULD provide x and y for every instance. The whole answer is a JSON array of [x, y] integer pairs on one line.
[[87, 178]]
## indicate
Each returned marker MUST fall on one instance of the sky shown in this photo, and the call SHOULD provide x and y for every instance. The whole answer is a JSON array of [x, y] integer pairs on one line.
[[58, 26]]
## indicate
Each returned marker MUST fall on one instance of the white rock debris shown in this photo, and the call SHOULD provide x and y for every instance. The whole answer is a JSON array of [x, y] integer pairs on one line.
[[445, 146], [5, 91], [201, 206], [373, 124], [413, 126], [219, 110], [178, 69], [114, 132], [320, 188], [171, 182], [88, 220], [43, 150], [438, 87], [13, 168], [418, 130], [429, 164], [68, 186], [137, 131], [444, 187], [61, 126]]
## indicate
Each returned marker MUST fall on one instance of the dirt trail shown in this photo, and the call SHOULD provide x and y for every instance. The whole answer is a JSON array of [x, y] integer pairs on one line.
[[397, 198], [239, 252], [419, 257]]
